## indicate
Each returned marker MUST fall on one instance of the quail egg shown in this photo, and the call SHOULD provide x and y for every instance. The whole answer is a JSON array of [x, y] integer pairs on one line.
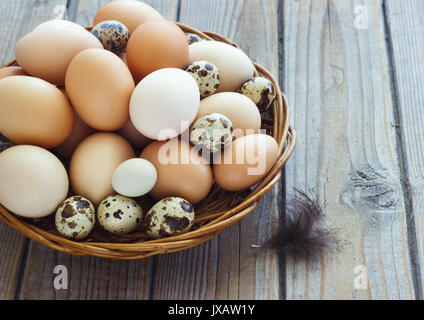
[[193, 38], [113, 35], [75, 218], [206, 75], [260, 90], [213, 132], [119, 215], [169, 217], [5, 143]]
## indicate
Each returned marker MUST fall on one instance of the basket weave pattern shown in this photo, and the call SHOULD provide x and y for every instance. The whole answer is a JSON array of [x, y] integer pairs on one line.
[[218, 211]]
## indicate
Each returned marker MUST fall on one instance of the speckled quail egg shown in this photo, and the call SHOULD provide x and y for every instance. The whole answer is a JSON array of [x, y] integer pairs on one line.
[[113, 35], [206, 75], [119, 215], [193, 38], [260, 90], [75, 218], [169, 217], [5, 143], [213, 132]]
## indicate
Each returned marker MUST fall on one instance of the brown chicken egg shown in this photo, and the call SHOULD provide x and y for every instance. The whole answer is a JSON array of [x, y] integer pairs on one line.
[[33, 111], [130, 13], [156, 45], [12, 71], [245, 162], [80, 131], [99, 86], [133, 136], [242, 111], [181, 172], [47, 52], [94, 162]]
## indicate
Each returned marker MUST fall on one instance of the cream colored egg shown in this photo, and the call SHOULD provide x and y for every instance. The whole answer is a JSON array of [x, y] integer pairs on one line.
[[33, 182], [94, 162], [119, 215], [46, 53], [53, 24], [134, 178], [169, 217], [233, 64], [242, 112], [164, 104]]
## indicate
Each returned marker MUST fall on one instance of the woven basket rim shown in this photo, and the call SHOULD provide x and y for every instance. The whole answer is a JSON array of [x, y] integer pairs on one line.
[[212, 225]]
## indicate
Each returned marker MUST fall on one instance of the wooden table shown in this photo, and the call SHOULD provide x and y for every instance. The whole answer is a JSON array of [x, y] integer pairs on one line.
[[353, 71]]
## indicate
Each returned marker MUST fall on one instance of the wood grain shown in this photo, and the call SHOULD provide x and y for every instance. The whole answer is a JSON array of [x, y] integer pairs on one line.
[[89, 277], [337, 79], [406, 24], [16, 19], [227, 267]]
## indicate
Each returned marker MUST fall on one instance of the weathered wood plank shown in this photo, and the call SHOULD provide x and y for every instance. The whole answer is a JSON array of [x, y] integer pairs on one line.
[[226, 267], [16, 19], [338, 83], [89, 277], [406, 24]]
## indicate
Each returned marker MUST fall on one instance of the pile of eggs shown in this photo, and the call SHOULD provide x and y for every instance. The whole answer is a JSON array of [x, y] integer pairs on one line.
[[135, 83]]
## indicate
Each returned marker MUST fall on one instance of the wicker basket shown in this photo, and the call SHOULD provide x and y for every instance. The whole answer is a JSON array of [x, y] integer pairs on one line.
[[218, 211]]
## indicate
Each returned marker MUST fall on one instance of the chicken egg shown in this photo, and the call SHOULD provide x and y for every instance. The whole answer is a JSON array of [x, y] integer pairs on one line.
[[33, 111], [99, 86], [47, 52], [165, 103], [242, 112], [130, 13], [12, 71], [156, 45], [33, 182], [181, 171], [94, 162], [245, 162]]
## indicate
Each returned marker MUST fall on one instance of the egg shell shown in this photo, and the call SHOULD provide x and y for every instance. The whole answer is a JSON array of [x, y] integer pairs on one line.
[[134, 178], [33, 111], [213, 131], [133, 136], [181, 171], [53, 24], [99, 86], [261, 91], [75, 218], [113, 35], [94, 162], [242, 112], [193, 38], [169, 217], [80, 131], [206, 75], [156, 45], [164, 104], [130, 13], [233, 64], [246, 162], [119, 215], [33, 182], [12, 71], [46, 53]]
